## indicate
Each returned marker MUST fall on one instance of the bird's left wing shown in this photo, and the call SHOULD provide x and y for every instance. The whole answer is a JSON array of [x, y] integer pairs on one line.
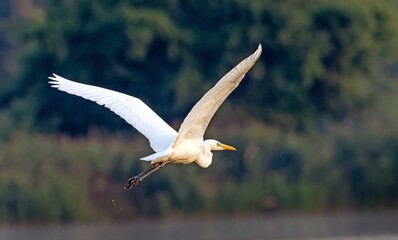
[[197, 120], [131, 109]]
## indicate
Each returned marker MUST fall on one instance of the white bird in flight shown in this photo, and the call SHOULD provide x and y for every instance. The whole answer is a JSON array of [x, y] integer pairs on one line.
[[183, 147]]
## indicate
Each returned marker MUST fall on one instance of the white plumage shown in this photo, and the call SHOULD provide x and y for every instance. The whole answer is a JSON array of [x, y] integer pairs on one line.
[[131, 109], [184, 147]]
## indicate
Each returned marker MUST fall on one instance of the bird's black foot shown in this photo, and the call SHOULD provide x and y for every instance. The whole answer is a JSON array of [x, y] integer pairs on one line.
[[132, 182]]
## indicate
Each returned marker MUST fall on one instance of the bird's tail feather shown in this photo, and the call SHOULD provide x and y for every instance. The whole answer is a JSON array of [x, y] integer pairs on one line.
[[158, 155]]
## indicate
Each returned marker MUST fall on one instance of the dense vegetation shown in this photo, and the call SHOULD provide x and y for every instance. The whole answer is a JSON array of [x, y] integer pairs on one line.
[[314, 121]]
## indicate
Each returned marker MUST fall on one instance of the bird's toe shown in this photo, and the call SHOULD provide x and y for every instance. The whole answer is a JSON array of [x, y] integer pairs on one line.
[[134, 181]]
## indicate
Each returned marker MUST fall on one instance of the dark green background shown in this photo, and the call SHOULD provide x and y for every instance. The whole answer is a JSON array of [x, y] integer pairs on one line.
[[314, 121]]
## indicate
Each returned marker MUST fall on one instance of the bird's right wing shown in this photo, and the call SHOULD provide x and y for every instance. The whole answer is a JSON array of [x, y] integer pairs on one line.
[[197, 120], [131, 109]]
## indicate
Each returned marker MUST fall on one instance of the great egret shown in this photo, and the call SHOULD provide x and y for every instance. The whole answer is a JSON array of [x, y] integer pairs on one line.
[[185, 146]]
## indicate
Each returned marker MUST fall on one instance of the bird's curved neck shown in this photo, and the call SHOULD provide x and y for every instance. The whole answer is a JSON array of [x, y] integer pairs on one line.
[[206, 157]]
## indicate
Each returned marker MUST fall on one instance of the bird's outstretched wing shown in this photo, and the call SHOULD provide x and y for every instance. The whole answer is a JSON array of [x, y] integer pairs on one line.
[[197, 120], [131, 109]]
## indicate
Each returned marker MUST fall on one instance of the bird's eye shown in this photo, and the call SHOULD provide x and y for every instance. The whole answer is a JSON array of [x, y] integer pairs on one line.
[[218, 144]]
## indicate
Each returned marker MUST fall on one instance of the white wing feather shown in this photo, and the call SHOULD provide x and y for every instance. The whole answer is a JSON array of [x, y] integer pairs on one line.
[[131, 109], [197, 120]]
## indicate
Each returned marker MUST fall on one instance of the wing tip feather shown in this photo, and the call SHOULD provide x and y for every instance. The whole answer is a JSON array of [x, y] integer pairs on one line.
[[54, 80], [258, 52]]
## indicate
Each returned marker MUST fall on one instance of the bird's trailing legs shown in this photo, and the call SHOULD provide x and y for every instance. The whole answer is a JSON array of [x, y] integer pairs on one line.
[[134, 181]]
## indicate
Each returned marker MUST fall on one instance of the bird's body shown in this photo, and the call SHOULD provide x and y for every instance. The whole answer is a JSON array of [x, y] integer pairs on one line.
[[182, 147], [193, 150]]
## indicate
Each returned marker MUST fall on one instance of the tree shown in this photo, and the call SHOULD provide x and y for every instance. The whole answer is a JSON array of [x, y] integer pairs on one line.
[[317, 57]]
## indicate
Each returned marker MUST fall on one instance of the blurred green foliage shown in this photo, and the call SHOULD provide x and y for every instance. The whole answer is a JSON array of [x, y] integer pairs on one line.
[[314, 120]]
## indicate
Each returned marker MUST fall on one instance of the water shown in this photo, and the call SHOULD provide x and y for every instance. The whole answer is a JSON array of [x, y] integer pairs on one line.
[[331, 226]]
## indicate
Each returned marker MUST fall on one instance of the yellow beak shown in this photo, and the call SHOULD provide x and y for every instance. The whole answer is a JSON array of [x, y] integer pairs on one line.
[[227, 147]]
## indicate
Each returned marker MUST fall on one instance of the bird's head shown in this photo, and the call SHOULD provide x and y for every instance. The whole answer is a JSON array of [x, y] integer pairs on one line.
[[216, 145]]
